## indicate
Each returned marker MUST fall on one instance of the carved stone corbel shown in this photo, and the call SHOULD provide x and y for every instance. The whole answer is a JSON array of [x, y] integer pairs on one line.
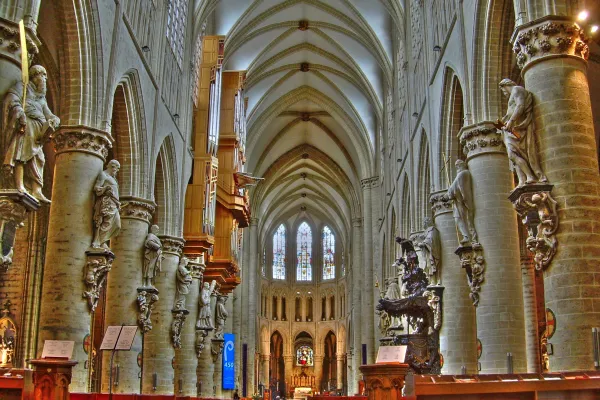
[[201, 335], [538, 212], [146, 298], [14, 206], [179, 317], [99, 263], [471, 259], [216, 348]]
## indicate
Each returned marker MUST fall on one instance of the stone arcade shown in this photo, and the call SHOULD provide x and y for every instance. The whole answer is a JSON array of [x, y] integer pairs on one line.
[[205, 167]]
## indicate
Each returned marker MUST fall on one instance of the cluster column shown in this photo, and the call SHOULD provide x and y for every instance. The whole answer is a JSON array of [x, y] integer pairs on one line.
[[500, 320], [458, 336], [64, 313], [252, 299], [356, 306], [367, 308], [552, 52]]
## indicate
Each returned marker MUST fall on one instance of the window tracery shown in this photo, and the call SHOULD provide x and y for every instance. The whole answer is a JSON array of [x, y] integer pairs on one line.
[[279, 253], [304, 253], [328, 254], [176, 17]]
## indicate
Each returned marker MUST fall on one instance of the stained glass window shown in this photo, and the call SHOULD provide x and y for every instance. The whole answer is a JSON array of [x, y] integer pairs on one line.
[[304, 356], [304, 253], [263, 268], [279, 253], [343, 265], [328, 254]]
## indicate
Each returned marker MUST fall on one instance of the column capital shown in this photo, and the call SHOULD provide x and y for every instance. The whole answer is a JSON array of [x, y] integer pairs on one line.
[[253, 221], [10, 42], [481, 138], [172, 245], [549, 37], [440, 203], [369, 183], [83, 139], [137, 208], [357, 222]]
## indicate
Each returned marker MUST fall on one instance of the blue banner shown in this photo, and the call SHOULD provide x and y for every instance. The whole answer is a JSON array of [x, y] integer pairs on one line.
[[229, 361]]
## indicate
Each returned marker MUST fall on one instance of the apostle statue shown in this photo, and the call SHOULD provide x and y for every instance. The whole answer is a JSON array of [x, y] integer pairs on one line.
[[152, 256], [221, 315], [461, 191], [393, 293], [25, 128], [518, 133], [107, 220], [204, 314], [182, 285], [431, 246]]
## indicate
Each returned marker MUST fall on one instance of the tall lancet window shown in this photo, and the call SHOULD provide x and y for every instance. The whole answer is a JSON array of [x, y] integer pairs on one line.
[[304, 249], [328, 254], [279, 253]]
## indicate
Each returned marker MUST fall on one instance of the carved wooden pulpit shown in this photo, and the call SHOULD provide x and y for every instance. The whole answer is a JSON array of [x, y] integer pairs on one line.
[[51, 378], [384, 381]]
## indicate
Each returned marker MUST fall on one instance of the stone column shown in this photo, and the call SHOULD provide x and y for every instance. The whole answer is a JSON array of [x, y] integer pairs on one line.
[[121, 291], [340, 371], [532, 338], [289, 369], [318, 360], [158, 346], [64, 314], [217, 353], [186, 360], [265, 369], [367, 308], [552, 53], [356, 306], [458, 335], [500, 321], [205, 370], [252, 292]]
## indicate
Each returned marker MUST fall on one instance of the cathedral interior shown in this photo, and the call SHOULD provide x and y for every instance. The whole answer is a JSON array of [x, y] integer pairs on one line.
[[299, 183]]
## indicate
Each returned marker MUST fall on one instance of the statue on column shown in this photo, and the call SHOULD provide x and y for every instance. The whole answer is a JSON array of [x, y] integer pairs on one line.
[[25, 128], [182, 287], [221, 315], [152, 256], [461, 191], [204, 314], [431, 246], [107, 221], [518, 133]]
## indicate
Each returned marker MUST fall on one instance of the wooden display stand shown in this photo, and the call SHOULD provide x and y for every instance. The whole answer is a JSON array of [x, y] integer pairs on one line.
[[384, 381], [51, 378]]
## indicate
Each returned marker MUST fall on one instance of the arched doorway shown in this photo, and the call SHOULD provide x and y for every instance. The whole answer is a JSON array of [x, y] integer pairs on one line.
[[277, 366], [329, 378]]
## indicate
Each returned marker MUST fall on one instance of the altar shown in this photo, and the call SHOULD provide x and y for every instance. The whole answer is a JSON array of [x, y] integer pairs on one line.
[[302, 393]]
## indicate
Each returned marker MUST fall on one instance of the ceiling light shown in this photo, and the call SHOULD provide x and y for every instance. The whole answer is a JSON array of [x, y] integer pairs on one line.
[[582, 16], [415, 114], [297, 292], [437, 48], [594, 28], [309, 292]]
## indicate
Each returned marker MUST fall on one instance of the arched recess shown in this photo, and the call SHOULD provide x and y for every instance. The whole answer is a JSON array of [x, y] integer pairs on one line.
[[329, 378], [405, 221], [494, 26], [128, 130], [452, 120], [277, 364], [424, 179], [166, 189]]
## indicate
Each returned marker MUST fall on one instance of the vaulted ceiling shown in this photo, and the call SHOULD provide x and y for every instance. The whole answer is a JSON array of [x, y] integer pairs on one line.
[[317, 71]]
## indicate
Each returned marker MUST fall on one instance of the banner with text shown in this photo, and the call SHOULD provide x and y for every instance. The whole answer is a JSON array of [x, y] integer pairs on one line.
[[229, 361]]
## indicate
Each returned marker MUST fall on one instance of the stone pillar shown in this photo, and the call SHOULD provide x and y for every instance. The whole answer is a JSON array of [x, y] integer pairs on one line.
[[279, 311], [217, 354], [121, 291], [500, 321], [552, 53], [340, 371], [367, 308], [318, 360], [265, 369], [205, 370], [252, 292], [289, 369], [186, 360], [64, 314], [458, 335], [158, 347], [532, 339], [356, 326]]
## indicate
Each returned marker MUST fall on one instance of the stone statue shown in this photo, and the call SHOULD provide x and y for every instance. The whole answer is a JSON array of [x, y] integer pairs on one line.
[[182, 287], [461, 192], [204, 314], [518, 133], [25, 128], [431, 246], [107, 220], [152, 256], [393, 293], [221, 315]]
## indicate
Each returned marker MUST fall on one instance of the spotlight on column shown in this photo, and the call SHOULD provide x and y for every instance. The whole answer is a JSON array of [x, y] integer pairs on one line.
[[594, 29], [582, 16]]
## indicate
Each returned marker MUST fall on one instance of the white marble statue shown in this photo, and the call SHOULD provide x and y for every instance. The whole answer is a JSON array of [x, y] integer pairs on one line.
[[107, 221], [152, 256], [204, 313], [518, 133], [461, 191], [393, 293], [26, 127], [431, 246], [183, 283]]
